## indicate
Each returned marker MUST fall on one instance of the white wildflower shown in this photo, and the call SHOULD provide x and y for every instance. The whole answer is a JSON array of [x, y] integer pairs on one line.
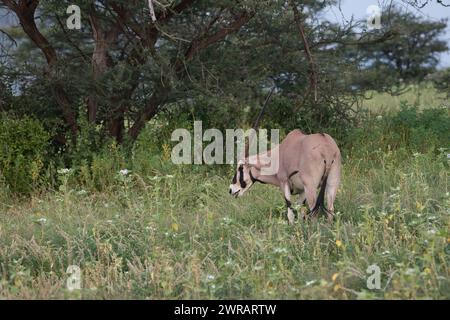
[[124, 172], [308, 283], [42, 220], [82, 192], [64, 171], [280, 250], [410, 271]]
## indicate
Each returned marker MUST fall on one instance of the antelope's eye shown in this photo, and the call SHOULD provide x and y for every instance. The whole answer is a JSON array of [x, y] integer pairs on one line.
[[234, 179]]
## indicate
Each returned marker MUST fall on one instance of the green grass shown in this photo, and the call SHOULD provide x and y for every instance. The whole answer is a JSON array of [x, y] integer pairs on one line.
[[185, 237], [423, 96], [173, 232]]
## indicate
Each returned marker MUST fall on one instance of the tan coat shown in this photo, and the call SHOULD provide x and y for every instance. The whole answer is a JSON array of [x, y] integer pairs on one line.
[[299, 165]]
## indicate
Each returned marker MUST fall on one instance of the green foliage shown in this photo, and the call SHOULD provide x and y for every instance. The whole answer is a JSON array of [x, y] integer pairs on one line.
[[427, 129], [142, 227], [441, 79], [24, 144], [218, 78], [409, 129], [176, 235], [88, 143]]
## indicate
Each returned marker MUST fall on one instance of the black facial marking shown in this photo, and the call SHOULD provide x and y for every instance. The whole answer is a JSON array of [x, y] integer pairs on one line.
[[241, 177], [234, 179]]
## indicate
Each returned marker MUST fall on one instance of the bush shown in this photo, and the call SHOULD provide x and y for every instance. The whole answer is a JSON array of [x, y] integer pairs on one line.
[[409, 129], [23, 144], [421, 130]]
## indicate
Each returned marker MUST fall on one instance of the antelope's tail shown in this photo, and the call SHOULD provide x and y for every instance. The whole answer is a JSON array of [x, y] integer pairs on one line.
[[320, 202]]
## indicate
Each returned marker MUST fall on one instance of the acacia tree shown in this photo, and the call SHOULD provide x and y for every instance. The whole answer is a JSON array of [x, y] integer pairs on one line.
[[122, 48], [409, 56], [125, 66]]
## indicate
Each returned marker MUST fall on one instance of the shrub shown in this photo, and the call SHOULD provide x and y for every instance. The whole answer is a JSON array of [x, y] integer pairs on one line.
[[23, 144], [409, 129], [423, 129]]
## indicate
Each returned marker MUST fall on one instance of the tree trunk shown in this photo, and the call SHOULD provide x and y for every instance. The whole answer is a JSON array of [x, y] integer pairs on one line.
[[25, 10], [100, 59], [117, 126], [152, 107], [161, 93]]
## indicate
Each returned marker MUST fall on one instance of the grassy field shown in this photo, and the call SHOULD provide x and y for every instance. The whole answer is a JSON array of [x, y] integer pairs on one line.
[[175, 233], [422, 96]]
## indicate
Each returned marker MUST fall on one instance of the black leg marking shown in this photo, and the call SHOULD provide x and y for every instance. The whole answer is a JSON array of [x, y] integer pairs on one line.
[[289, 205]]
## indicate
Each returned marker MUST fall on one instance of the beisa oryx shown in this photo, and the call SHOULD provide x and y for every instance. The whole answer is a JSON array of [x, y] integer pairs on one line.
[[303, 164]]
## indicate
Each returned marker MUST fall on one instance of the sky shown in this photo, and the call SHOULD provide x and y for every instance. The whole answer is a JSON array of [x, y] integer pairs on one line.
[[357, 8]]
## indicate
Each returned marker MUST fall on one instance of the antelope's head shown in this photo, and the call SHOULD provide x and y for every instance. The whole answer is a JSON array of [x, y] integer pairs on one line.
[[242, 179]]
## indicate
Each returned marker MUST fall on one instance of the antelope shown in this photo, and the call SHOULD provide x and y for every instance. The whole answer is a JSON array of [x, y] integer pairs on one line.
[[303, 163]]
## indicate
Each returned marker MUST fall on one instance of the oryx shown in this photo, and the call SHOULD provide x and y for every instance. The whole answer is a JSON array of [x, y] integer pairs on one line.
[[303, 163]]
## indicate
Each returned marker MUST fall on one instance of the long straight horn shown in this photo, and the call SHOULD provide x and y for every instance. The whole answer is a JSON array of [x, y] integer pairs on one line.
[[247, 146], [257, 121]]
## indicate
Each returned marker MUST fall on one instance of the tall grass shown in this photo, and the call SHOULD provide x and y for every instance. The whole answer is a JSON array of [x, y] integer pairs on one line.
[[422, 96], [165, 231], [183, 237]]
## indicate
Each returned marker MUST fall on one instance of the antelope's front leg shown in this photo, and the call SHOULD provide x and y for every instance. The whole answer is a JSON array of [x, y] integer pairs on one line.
[[287, 197]]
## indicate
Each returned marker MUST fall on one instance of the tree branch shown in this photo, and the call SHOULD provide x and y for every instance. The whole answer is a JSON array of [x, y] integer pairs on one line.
[[205, 40], [25, 11], [183, 5], [161, 93], [9, 36], [313, 78]]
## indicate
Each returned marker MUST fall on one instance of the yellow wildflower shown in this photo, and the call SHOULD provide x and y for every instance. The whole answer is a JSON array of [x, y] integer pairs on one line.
[[334, 276]]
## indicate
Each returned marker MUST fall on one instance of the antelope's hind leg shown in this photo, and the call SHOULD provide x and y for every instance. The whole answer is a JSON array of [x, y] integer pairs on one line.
[[311, 198], [330, 194]]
